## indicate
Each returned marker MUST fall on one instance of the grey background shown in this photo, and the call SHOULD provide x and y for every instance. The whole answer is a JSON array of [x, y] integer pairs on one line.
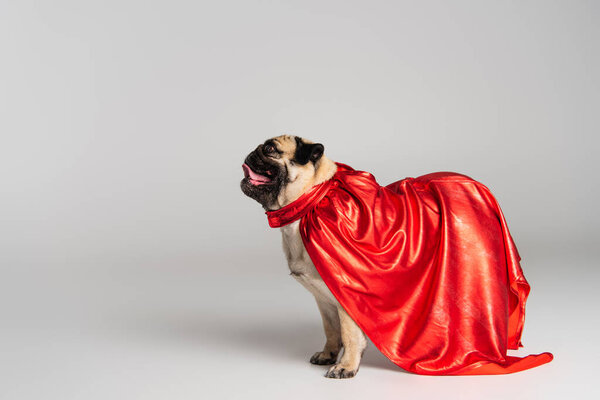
[[133, 267]]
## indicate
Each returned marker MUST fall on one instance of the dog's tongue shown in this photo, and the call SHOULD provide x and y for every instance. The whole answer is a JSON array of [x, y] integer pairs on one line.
[[254, 177]]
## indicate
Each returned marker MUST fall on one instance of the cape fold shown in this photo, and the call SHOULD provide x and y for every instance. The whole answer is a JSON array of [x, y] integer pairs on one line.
[[425, 266]]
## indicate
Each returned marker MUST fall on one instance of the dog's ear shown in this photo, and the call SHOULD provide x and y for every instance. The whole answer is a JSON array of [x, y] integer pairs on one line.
[[306, 152]]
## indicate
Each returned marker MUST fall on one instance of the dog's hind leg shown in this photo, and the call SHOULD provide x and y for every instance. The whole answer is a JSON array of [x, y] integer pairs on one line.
[[331, 325], [354, 342]]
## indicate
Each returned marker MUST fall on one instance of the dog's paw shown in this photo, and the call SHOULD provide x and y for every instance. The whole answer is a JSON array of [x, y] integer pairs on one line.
[[323, 358], [339, 372]]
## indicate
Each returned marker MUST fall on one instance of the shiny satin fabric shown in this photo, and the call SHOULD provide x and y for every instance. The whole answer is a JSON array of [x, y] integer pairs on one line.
[[425, 266]]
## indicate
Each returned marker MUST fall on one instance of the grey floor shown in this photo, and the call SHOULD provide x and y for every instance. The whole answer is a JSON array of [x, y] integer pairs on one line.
[[158, 332]]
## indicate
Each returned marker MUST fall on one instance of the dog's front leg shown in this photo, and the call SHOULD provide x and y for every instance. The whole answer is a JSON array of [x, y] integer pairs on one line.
[[354, 342], [331, 325]]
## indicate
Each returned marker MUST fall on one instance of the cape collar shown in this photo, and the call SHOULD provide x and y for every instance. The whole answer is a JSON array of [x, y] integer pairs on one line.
[[301, 206]]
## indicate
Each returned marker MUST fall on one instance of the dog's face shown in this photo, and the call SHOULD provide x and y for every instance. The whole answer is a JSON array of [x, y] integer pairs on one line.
[[280, 170]]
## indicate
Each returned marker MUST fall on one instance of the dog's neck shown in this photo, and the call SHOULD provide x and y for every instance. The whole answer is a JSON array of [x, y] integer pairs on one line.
[[324, 170]]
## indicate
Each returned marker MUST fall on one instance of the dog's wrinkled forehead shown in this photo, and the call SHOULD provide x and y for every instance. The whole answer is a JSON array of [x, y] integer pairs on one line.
[[286, 145], [295, 148]]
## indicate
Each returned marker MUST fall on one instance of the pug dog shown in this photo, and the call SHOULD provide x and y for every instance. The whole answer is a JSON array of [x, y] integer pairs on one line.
[[276, 173]]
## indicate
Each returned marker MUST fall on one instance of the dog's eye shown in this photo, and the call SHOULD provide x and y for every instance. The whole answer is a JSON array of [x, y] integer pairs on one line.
[[268, 148]]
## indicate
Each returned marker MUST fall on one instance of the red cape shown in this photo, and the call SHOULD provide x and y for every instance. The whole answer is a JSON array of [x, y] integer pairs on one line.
[[425, 266]]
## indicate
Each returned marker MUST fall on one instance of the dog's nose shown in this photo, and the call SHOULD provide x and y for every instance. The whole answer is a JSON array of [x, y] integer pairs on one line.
[[253, 157]]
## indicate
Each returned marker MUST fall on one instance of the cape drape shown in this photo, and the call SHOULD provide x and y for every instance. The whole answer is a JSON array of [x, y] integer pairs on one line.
[[425, 266]]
